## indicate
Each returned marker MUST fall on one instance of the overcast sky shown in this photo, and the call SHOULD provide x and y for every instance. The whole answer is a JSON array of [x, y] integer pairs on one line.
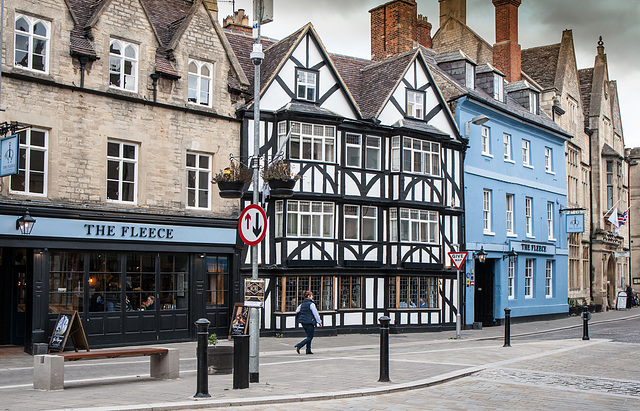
[[343, 27]]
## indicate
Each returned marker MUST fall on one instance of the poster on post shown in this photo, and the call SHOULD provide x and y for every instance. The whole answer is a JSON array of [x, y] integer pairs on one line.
[[68, 324], [239, 320]]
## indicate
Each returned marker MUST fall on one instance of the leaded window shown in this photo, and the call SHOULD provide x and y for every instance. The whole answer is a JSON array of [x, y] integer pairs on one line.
[[200, 81], [289, 292], [31, 43], [350, 292], [413, 292]]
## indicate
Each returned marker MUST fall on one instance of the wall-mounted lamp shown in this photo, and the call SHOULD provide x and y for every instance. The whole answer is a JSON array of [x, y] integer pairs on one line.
[[477, 120], [511, 254], [25, 223], [481, 255]]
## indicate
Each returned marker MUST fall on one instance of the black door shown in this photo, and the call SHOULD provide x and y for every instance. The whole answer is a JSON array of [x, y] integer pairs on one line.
[[13, 282], [483, 297]]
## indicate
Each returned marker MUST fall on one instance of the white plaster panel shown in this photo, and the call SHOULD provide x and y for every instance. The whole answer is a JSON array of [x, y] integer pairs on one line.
[[274, 98], [435, 318], [338, 103], [278, 322], [315, 56], [404, 317], [300, 52], [414, 318], [389, 114], [422, 78], [350, 187], [369, 296], [375, 190], [348, 255], [291, 322], [369, 318], [372, 255], [352, 319], [424, 318], [326, 79], [327, 320], [392, 317]]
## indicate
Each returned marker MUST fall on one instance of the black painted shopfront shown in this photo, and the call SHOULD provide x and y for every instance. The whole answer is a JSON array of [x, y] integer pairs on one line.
[[127, 290]]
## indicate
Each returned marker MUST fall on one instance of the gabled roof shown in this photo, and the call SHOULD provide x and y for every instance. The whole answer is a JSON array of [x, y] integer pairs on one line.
[[586, 84], [541, 63]]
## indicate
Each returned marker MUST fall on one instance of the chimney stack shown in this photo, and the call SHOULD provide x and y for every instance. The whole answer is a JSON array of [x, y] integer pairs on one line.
[[453, 8], [506, 52], [238, 22], [396, 28]]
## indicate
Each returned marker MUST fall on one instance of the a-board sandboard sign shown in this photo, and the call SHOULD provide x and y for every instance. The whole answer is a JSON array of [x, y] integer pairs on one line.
[[68, 324], [239, 320]]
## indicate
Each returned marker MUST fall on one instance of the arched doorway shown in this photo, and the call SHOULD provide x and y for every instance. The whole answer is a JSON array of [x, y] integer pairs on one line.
[[610, 276]]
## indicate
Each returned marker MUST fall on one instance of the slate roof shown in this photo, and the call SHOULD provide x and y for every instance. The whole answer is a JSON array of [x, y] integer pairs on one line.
[[541, 64], [82, 11], [586, 82]]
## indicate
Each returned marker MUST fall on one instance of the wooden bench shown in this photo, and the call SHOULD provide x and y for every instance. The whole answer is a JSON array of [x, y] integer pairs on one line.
[[48, 369]]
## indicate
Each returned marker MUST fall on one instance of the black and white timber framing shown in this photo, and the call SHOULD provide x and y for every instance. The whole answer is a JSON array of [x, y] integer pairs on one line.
[[397, 113]]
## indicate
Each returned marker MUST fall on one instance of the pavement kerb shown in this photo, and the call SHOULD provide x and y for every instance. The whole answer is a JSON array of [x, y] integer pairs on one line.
[[387, 388]]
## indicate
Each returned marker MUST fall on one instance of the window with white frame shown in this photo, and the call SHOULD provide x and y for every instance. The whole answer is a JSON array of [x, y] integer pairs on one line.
[[548, 160], [470, 76], [419, 156], [393, 224], [306, 84], [526, 153], [419, 226], [32, 163], [528, 215], [609, 184], [506, 142], [353, 150], [31, 43], [122, 171], [548, 279], [509, 209], [123, 65], [498, 87], [550, 220], [512, 276], [200, 81], [533, 102], [486, 211], [312, 142], [528, 278], [360, 223], [309, 219], [415, 104], [372, 154], [486, 141], [198, 177]]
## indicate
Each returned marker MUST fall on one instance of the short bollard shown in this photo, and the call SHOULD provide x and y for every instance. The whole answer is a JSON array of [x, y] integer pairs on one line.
[[586, 316], [507, 327], [240, 361], [202, 330], [384, 349]]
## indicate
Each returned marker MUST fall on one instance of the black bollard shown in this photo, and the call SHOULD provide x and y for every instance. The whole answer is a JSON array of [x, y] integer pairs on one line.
[[202, 330], [507, 327], [585, 322], [384, 349], [240, 361]]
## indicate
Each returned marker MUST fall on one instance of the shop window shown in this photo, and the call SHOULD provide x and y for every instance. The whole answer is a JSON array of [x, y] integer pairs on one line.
[[66, 281], [289, 292], [350, 292], [105, 272], [173, 285], [217, 281], [413, 292], [32, 164], [141, 280]]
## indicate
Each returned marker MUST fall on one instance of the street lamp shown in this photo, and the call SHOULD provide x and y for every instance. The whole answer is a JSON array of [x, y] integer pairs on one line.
[[477, 120], [511, 254], [25, 223], [481, 255]]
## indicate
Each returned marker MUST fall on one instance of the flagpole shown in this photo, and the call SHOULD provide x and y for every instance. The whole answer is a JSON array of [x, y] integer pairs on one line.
[[608, 211]]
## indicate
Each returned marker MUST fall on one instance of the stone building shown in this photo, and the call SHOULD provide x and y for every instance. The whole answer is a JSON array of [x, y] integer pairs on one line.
[[583, 102], [633, 155], [124, 110]]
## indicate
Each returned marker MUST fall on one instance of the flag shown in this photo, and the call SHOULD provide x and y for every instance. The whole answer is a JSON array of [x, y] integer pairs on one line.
[[622, 218], [613, 219]]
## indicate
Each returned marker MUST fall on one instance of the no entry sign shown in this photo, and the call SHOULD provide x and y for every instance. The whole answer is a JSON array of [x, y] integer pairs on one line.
[[458, 258], [252, 225]]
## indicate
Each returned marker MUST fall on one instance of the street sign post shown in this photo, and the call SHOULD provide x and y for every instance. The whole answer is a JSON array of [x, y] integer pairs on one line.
[[458, 258], [252, 224]]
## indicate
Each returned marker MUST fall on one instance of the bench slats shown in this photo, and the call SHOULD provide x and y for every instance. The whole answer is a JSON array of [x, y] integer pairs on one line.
[[111, 353]]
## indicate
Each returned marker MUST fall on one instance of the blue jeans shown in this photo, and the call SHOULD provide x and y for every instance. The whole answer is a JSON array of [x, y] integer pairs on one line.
[[310, 330]]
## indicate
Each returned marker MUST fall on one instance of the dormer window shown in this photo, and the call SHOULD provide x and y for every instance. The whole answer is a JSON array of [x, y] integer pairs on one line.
[[533, 102], [415, 104], [498, 88], [31, 47], [306, 84], [123, 65], [470, 74]]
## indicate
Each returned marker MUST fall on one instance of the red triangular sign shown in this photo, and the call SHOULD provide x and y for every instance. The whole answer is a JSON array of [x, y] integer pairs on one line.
[[458, 258]]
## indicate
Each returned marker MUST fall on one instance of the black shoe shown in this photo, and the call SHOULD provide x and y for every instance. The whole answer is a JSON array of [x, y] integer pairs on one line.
[[309, 352], [297, 349]]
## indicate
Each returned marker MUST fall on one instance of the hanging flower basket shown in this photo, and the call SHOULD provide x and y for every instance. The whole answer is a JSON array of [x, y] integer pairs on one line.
[[281, 188], [280, 178], [233, 180]]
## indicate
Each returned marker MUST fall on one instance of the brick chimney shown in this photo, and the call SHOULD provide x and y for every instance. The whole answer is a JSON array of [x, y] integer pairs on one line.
[[506, 51], [396, 27], [238, 22], [453, 8]]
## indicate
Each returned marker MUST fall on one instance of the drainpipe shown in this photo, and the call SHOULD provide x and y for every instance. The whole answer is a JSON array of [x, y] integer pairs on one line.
[[83, 65], [589, 133], [154, 77]]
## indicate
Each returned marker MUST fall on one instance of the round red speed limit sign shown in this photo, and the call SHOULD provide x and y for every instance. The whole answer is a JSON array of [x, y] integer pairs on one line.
[[252, 224]]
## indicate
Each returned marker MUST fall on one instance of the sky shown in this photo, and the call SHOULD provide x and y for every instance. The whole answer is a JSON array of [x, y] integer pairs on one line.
[[344, 28]]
